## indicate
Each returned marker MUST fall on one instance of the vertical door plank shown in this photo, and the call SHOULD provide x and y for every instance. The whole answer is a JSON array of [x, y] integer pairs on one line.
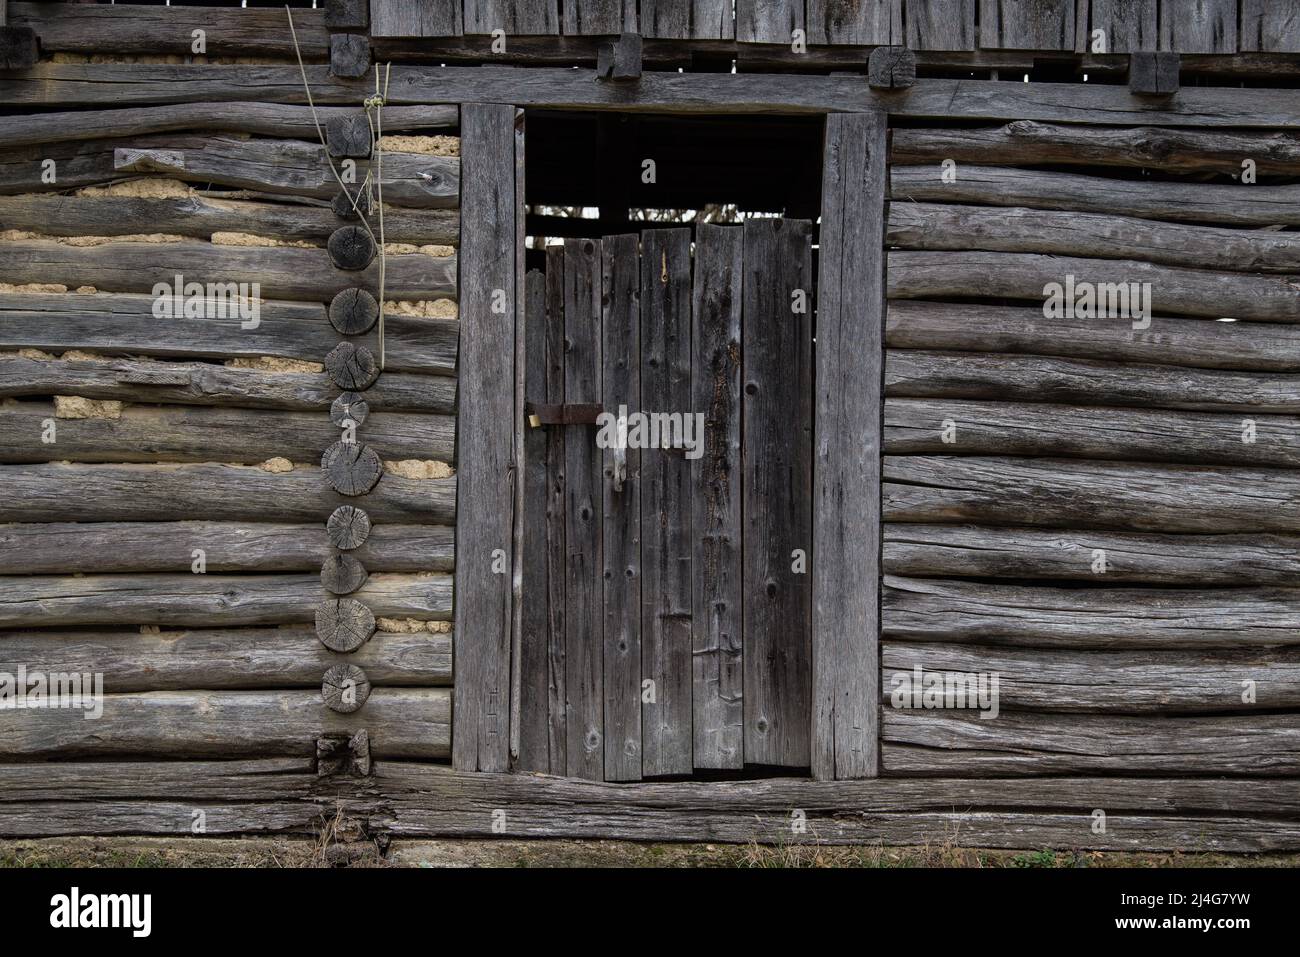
[[665, 505], [846, 462], [776, 353], [1027, 24], [588, 17], [853, 21], [939, 24], [486, 455], [768, 21], [621, 304], [585, 679], [1270, 26], [534, 643], [415, 18], [1129, 25], [687, 19], [1198, 26], [521, 367], [718, 665], [556, 491], [515, 17]]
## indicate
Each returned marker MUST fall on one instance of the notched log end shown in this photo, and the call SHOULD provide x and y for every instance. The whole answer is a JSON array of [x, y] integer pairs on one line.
[[891, 68], [1153, 74], [349, 55], [19, 48], [620, 60]]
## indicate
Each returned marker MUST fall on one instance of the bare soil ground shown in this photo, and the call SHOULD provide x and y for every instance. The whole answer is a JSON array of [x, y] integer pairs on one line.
[[307, 852]]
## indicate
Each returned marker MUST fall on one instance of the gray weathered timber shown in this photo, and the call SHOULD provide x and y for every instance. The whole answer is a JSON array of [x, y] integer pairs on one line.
[[554, 350], [768, 21], [126, 493], [352, 367], [258, 119], [226, 658], [139, 28], [846, 457], [351, 468], [201, 215], [1027, 24], [533, 666], [776, 467], [666, 520], [37, 601], [1268, 27], [861, 22], [1247, 346], [945, 743], [1018, 230], [415, 18], [345, 688], [1238, 205], [717, 658], [289, 167], [351, 248], [515, 17], [1026, 142], [106, 547], [342, 574], [598, 16], [939, 24], [1198, 26], [485, 512], [1084, 494], [282, 272], [344, 624], [207, 384], [1111, 682], [1092, 618], [349, 55], [1191, 292], [348, 527], [1097, 104], [1127, 25], [620, 337], [972, 427], [584, 681], [126, 325], [412, 800], [976, 375], [408, 723], [199, 434], [687, 19], [1154, 75], [974, 551]]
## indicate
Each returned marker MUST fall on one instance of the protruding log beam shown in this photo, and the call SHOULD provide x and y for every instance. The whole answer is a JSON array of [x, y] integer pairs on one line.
[[344, 624], [342, 574], [1153, 74], [351, 468], [349, 136], [348, 527], [347, 14], [349, 55], [345, 688], [620, 59], [891, 68], [352, 367], [349, 407], [353, 311], [351, 247]]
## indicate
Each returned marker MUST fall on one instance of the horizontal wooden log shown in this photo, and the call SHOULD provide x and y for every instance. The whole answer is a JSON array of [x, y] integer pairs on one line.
[[288, 167], [220, 493], [137, 28], [1081, 494], [1111, 682], [402, 723], [1254, 346], [940, 743], [1189, 292], [225, 659], [1239, 205], [975, 375], [673, 92], [256, 119], [208, 384], [283, 272], [410, 799], [108, 547], [974, 427], [201, 215], [1025, 142], [1091, 618], [209, 600], [1015, 229], [199, 434], [126, 325], [971, 551]]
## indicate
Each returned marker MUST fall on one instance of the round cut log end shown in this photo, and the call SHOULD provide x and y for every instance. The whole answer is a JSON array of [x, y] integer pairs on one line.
[[344, 624], [348, 527], [342, 574], [345, 688]]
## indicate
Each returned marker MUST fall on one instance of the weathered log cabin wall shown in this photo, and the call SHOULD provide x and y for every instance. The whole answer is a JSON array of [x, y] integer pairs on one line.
[[164, 516], [1099, 509]]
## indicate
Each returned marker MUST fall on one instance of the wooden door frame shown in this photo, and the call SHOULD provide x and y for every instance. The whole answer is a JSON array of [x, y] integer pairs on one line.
[[845, 565]]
